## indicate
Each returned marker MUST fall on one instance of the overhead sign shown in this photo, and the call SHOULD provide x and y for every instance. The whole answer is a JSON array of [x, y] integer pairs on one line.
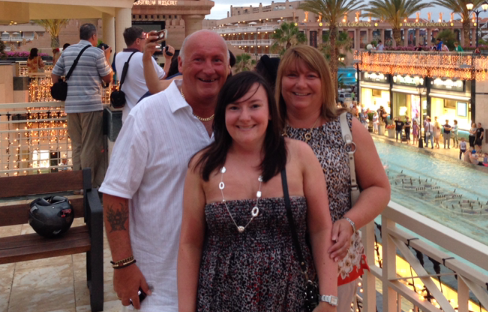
[[448, 84], [156, 2], [374, 77], [426, 24], [407, 80]]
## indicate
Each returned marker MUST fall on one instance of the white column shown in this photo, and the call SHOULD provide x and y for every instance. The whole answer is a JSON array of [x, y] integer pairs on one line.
[[109, 30], [123, 20], [193, 23]]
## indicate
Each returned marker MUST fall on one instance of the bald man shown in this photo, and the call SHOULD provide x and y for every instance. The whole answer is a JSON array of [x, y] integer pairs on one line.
[[143, 188]]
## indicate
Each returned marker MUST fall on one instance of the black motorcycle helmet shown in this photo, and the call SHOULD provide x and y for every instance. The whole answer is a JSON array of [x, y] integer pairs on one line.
[[51, 216]]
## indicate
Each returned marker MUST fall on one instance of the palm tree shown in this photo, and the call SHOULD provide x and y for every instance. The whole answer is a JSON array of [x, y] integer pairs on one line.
[[332, 12], [459, 6], [344, 44], [395, 12], [243, 63], [286, 36], [53, 27]]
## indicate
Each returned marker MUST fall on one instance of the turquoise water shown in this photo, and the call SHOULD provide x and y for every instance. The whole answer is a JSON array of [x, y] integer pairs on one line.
[[347, 75], [440, 188]]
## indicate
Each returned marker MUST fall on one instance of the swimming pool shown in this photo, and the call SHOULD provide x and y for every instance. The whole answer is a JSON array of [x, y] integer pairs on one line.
[[440, 188]]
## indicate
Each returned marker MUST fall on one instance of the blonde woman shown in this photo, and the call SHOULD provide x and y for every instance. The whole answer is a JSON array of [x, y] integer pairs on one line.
[[305, 98]]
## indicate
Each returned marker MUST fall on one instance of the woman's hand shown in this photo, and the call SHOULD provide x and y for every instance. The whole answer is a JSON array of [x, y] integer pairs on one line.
[[325, 307], [341, 235]]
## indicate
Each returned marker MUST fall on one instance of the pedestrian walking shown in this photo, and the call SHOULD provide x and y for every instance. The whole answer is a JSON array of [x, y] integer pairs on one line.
[[472, 134], [407, 129], [447, 135], [454, 134], [415, 132], [462, 147]]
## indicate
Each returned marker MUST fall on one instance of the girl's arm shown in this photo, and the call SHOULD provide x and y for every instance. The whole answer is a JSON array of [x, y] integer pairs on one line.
[[319, 224], [191, 240]]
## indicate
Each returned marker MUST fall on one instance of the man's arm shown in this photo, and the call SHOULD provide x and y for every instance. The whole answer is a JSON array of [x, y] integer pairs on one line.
[[55, 78], [127, 280]]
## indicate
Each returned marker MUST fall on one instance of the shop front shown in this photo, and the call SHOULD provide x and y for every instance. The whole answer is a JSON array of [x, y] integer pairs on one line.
[[450, 100], [375, 91], [407, 92]]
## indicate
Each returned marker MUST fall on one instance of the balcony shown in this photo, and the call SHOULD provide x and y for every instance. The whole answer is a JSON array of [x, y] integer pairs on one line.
[[460, 65], [259, 42]]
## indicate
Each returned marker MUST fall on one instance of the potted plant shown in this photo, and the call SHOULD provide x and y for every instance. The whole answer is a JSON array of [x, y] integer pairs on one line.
[[391, 131], [370, 123]]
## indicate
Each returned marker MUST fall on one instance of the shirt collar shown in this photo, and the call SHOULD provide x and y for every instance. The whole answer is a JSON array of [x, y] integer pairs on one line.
[[177, 102], [130, 50], [84, 42]]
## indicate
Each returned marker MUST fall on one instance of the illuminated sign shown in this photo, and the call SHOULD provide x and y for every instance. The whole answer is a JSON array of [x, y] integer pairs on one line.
[[448, 84], [408, 80], [156, 2], [355, 24], [426, 24], [374, 77]]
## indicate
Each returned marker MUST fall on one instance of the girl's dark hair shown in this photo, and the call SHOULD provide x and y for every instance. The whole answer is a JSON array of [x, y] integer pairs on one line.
[[33, 53], [173, 68], [274, 149]]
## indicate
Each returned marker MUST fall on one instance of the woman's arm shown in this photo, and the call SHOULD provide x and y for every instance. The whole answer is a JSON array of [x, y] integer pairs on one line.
[[319, 225], [191, 241], [375, 193]]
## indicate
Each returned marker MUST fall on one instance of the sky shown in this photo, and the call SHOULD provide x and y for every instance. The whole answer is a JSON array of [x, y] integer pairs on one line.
[[221, 7]]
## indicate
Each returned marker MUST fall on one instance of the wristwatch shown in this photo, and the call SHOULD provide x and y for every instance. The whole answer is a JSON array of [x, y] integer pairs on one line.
[[332, 300]]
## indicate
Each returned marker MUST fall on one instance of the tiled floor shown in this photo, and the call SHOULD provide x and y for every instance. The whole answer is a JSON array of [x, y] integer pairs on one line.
[[53, 284]]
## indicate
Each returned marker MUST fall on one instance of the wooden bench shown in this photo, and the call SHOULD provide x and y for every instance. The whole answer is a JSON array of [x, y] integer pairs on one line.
[[86, 238]]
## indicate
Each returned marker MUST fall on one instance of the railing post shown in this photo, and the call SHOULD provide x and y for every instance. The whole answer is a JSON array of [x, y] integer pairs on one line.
[[389, 266], [463, 295], [369, 283]]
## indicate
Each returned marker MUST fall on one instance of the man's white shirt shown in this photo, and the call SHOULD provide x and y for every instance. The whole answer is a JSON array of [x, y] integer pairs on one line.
[[134, 85], [148, 166]]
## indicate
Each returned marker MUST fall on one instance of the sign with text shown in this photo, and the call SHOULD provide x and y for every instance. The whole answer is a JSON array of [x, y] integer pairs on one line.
[[156, 2], [448, 84], [374, 77], [413, 81]]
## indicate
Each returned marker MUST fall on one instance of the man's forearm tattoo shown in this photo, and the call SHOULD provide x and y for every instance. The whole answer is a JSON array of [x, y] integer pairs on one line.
[[117, 219]]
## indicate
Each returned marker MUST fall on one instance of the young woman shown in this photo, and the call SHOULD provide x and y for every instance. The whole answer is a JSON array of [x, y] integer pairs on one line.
[[236, 249], [305, 95], [34, 61]]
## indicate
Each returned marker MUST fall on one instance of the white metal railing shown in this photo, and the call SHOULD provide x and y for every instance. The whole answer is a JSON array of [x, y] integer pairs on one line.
[[451, 246], [249, 29], [259, 42], [33, 138]]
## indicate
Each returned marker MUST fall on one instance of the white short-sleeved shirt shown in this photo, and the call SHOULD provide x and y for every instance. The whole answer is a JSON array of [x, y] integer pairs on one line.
[[134, 85], [148, 166]]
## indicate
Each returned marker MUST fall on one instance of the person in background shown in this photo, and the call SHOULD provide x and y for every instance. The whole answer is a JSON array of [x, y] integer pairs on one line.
[[447, 134], [34, 62], [457, 47], [399, 128], [415, 132], [375, 122], [477, 51], [439, 44], [135, 85], [429, 132], [65, 46], [408, 124], [445, 48], [56, 55], [462, 147], [454, 134], [480, 134], [472, 134], [437, 134], [267, 67], [315, 120], [380, 46], [83, 104]]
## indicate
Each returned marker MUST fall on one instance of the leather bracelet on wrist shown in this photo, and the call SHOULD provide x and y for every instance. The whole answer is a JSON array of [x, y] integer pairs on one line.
[[123, 263]]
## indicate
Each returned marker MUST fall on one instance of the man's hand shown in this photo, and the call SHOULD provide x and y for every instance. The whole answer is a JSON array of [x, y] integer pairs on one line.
[[341, 235], [171, 50], [126, 284], [151, 44], [107, 52]]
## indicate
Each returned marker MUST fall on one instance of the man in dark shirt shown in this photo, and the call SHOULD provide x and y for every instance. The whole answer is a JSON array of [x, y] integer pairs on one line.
[[447, 134], [399, 127], [480, 134], [408, 123]]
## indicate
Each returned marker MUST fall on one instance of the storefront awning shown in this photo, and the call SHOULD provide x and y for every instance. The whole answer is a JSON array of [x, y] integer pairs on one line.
[[373, 86], [448, 96]]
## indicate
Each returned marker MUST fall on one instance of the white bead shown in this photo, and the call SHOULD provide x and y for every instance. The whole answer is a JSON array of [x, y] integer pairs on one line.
[[221, 185], [255, 212], [241, 229], [258, 194], [223, 170], [260, 179]]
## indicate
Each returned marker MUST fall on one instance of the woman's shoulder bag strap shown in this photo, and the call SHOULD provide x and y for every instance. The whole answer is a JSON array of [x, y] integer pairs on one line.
[[347, 137]]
